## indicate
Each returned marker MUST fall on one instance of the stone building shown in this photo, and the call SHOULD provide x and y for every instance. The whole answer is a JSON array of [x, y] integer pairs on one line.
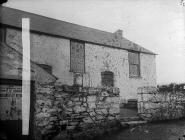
[[68, 48], [68, 54]]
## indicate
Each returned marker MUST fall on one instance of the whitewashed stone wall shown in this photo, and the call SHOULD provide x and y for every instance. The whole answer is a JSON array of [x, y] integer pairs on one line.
[[51, 51], [55, 52], [148, 75], [100, 58]]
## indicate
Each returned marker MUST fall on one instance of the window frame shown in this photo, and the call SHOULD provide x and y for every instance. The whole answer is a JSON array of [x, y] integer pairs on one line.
[[138, 65], [70, 69]]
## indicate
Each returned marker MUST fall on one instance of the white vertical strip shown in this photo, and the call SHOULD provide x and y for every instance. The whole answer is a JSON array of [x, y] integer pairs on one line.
[[25, 75]]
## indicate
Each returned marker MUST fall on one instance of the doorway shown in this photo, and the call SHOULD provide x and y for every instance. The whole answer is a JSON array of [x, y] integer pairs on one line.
[[11, 110]]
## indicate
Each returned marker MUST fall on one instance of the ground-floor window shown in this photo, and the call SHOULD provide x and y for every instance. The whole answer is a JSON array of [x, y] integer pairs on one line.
[[107, 78]]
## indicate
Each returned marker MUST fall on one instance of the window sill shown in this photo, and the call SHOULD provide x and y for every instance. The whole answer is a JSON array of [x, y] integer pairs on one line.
[[77, 72], [135, 77]]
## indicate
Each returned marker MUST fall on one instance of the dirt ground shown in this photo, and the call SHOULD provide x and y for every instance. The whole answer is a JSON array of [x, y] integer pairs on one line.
[[166, 130]]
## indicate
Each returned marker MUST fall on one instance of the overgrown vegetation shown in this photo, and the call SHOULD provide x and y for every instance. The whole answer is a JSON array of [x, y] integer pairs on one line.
[[171, 87]]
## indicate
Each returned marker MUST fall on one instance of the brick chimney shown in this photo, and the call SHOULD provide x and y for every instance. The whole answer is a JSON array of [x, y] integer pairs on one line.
[[118, 34]]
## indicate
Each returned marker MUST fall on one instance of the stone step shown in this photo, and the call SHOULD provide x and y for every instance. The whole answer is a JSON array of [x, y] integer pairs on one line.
[[125, 112], [133, 123], [127, 119]]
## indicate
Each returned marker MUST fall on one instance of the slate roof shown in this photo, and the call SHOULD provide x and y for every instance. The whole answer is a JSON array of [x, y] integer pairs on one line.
[[42, 24]]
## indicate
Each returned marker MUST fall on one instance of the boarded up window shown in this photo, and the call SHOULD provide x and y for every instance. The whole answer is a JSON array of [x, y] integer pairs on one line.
[[134, 64], [107, 78], [77, 57]]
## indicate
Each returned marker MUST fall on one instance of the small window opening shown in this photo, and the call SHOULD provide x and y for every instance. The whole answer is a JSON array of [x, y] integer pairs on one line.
[[107, 78]]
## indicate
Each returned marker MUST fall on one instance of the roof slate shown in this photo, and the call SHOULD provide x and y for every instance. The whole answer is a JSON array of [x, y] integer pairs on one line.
[[42, 24]]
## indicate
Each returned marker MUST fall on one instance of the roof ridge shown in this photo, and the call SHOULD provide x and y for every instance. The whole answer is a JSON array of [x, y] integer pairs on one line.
[[56, 27], [58, 20]]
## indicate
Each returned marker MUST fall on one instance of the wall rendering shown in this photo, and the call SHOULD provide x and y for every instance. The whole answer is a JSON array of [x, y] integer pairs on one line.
[[55, 52]]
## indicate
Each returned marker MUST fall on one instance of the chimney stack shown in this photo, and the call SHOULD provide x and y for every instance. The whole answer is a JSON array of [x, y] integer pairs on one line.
[[118, 34]]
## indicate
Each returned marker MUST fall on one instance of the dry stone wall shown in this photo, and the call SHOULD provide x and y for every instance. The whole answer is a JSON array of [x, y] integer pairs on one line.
[[74, 111], [155, 105]]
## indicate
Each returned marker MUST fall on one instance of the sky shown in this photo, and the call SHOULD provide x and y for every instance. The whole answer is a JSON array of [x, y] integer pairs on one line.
[[158, 25]]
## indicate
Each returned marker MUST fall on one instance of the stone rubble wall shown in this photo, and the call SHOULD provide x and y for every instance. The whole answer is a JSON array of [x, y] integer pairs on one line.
[[69, 110], [155, 105]]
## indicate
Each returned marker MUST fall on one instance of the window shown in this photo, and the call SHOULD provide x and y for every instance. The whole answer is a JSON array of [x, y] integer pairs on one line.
[[77, 57], [107, 78], [134, 64]]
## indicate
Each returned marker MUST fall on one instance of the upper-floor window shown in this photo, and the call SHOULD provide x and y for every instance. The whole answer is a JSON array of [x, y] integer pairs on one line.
[[134, 64], [77, 56], [107, 78]]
